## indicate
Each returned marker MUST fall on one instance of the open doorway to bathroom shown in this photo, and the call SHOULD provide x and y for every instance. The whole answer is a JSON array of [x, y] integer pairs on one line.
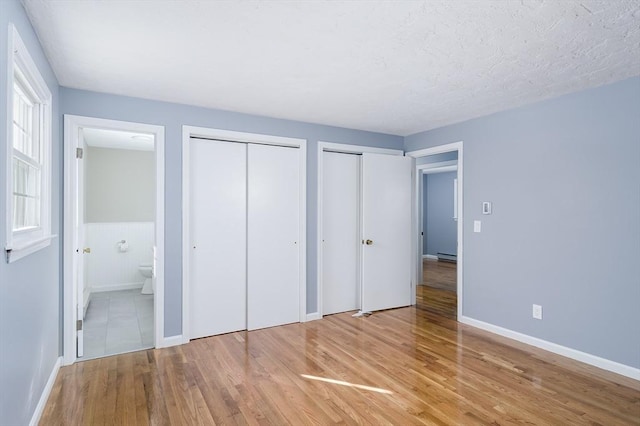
[[119, 223], [113, 237]]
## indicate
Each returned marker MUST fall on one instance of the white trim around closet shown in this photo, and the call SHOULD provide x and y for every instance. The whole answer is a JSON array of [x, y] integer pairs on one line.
[[228, 135]]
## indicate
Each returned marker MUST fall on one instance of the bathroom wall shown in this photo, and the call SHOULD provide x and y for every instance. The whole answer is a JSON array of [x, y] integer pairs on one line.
[[120, 185], [119, 205], [107, 268]]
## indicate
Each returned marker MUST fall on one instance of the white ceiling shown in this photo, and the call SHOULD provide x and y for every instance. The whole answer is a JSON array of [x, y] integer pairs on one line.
[[398, 67], [116, 139]]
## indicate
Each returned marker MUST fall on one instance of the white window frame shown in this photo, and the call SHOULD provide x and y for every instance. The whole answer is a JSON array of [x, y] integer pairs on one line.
[[24, 242]]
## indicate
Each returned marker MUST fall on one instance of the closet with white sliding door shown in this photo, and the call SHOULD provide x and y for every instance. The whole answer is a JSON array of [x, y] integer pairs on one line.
[[244, 236]]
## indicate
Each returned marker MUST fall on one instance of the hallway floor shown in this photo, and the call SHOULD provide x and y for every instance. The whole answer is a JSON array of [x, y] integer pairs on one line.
[[439, 274], [438, 292]]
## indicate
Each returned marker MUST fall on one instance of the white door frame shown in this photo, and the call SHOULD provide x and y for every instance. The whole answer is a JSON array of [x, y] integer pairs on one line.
[[72, 126], [243, 137], [337, 147], [451, 147]]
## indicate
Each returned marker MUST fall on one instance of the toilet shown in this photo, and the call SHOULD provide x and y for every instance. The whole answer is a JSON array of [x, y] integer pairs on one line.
[[147, 273]]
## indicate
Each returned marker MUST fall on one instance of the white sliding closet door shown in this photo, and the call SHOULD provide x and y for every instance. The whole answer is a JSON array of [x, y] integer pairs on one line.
[[340, 232], [386, 226], [218, 194], [273, 250]]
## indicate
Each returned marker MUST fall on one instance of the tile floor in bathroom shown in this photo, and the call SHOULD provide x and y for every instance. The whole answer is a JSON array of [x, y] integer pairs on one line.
[[117, 322]]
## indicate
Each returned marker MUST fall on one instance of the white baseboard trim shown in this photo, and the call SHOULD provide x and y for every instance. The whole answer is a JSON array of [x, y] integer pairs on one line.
[[116, 287], [167, 342], [313, 316], [429, 256], [42, 402], [596, 361]]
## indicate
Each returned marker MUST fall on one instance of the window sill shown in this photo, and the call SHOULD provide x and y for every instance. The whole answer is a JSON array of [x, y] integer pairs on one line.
[[21, 250]]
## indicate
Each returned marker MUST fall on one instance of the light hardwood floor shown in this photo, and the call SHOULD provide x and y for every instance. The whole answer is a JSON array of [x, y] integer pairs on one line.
[[438, 292], [439, 274], [402, 367]]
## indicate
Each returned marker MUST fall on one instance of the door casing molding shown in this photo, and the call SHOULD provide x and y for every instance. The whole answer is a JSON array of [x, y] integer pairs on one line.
[[72, 126]]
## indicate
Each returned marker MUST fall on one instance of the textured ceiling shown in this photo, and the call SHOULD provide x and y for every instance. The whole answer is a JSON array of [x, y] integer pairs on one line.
[[398, 67]]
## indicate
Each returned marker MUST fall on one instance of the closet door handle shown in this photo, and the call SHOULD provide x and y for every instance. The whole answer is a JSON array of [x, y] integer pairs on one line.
[[368, 242]]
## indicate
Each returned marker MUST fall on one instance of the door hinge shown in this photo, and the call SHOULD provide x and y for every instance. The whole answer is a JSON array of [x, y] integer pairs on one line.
[[79, 153], [78, 325]]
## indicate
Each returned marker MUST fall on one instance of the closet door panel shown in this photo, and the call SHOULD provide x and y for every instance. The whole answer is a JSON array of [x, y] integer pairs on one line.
[[218, 191], [340, 232], [273, 250]]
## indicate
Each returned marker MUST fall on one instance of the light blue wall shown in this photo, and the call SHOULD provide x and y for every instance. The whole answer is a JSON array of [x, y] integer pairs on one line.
[[437, 158], [173, 116], [564, 179], [30, 290], [440, 229]]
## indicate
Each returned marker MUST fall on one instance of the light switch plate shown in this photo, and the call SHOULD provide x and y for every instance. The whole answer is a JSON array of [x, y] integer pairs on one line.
[[486, 207], [477, 226]]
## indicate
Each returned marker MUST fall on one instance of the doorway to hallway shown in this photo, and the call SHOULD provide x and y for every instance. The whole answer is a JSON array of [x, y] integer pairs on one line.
[[441, 276]]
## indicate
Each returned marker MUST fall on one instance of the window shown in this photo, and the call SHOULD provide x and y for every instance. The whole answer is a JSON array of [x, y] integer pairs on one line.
[[28, 214]]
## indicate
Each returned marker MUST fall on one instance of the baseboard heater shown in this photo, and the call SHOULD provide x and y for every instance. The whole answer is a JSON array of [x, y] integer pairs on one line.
[[446, 257]]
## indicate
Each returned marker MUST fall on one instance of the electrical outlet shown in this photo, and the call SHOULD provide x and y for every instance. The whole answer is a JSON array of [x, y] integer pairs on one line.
[[537, 311]]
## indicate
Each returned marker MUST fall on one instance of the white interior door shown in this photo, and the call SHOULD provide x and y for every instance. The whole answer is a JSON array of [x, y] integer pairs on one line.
[[340, 232], [81, 250], [273, 249], [218, 194], [386, 230]]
